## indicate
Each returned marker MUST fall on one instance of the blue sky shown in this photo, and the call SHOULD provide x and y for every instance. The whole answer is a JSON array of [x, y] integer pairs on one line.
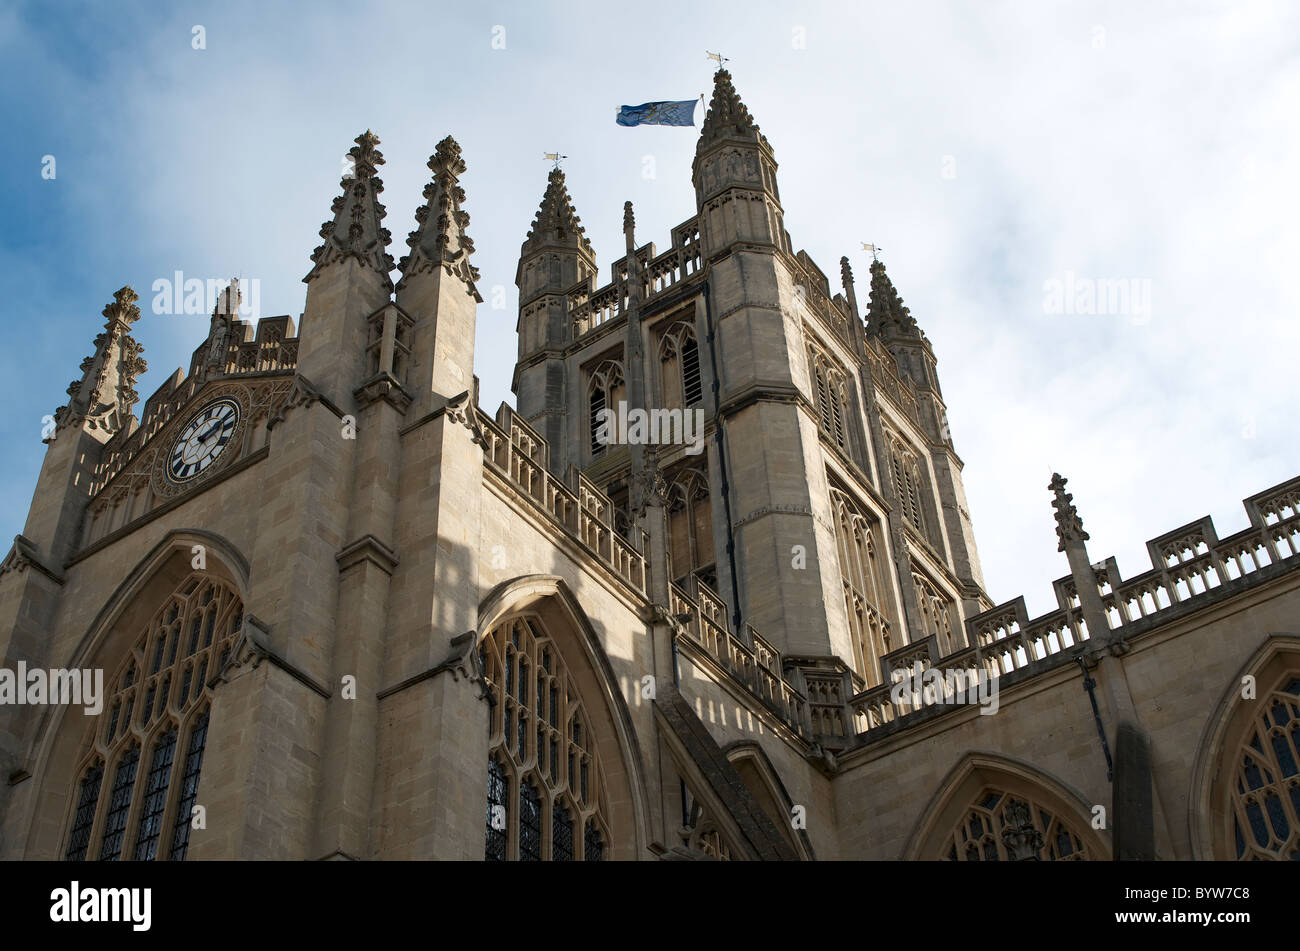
[[989, 149]]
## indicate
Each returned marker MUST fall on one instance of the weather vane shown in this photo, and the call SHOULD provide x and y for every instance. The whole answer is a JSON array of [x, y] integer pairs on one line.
[[717, 58], [554, 157], [873, 249]]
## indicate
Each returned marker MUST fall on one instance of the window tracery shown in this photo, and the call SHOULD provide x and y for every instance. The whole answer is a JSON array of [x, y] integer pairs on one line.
[[1001, 827], [1265, 791], [544, 780], [139, 778]]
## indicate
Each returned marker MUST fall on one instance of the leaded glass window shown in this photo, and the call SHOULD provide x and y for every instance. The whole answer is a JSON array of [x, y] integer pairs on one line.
[[530, 822], [541, 735], [981, 834], [154, 730], [1265, 804], [561, 833], [189, 787], [155, 797], [497, 812], [593, 846], [119, 804], [84, 818]]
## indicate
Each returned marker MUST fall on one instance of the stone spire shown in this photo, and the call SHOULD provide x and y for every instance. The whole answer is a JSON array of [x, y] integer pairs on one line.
[[644, 474], [851, 297], [887, 317], [727, 116], [1069, 527], [357, 230], [556, 221], [733, 158], [104, 396], [440, 238]]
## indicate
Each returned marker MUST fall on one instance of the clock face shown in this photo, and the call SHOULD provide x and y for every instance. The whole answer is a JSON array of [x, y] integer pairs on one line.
[[202, 440]]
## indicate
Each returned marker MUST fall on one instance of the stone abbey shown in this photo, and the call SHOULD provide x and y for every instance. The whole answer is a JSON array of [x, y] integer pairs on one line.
[[343, 612]]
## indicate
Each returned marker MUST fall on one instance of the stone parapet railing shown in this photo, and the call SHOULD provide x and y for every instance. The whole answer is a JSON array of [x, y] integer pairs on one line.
[[518, 453], [1190, 564], [590, 309], [703, 618]]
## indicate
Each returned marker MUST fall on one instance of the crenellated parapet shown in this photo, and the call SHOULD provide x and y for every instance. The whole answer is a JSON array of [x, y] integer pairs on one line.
[[1192, 568]]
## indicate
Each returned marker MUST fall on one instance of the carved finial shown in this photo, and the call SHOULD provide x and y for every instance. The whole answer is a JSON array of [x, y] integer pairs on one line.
[[556, 221], [357, 230], [441, 237], [846, 273], [446, 158], [727, 115], [629, 226], [1069, 527], [887, 316], [123, 307], [105, 394], [366, 159]]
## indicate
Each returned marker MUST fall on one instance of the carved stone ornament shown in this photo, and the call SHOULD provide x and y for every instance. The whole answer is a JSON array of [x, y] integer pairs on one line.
[[461, 409]]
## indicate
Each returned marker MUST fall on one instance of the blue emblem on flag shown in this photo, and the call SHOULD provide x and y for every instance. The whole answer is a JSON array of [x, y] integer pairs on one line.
[[658, 113]]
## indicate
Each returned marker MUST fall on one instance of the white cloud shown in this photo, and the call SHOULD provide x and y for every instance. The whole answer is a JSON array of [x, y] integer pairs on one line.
[[1165, 154]]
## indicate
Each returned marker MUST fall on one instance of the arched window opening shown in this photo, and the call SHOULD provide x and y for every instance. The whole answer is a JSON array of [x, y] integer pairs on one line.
[[908, 484], [497, 811], [690, 527], [865, 592], [605, 391], [1265, 791], [1000, 827], [830, 390], [541, 749], [679, 356], [937, 611], [153, 730]]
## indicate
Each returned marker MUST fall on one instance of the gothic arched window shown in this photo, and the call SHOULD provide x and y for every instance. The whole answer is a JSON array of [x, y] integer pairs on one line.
[[690, 525], [936, 613], [863, 577], [831, 392], [1001, 827], [908, 484], [605, 390], [544, 781], [1266, 788], [137, 786], [679, 355]]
